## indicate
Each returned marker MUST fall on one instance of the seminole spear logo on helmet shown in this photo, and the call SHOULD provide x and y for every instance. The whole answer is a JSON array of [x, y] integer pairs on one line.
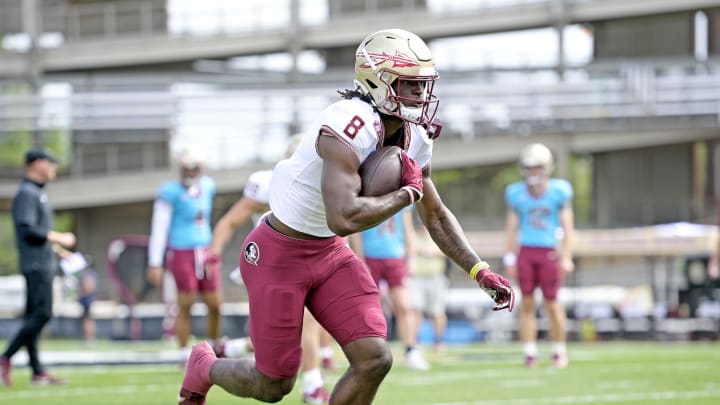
[[399, 59]]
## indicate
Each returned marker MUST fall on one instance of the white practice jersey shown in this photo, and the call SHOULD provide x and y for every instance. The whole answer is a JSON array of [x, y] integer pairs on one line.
[[258, 186], [295, 190], [258, 189]]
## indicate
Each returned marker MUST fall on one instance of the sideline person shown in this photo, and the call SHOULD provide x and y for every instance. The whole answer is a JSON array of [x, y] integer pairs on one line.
[[33, 217]]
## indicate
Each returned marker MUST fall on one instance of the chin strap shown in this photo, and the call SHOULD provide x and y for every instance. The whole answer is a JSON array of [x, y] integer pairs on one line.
[[434, 128]]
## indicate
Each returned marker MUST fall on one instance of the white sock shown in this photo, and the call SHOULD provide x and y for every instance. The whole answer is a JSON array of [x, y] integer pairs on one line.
[[559, 348], [530, 349], [326, 352], [311, 380], [185, 353], [236, 347]]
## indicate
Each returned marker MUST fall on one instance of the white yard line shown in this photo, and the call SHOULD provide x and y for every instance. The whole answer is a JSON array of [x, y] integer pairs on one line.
[[491, 374], [558, 400], [595, 398], [39, 392]]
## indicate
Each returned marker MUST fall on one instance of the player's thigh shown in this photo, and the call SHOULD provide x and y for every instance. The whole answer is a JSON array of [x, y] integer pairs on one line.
[[276, 288], [527, 274], [181, 263], [395, 272], [549, 274], [375, 266], [276, 319], [347, 302], [211, 283]]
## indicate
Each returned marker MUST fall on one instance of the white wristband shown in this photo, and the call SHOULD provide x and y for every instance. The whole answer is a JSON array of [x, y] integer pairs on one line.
[[410, 193], [509, 259]]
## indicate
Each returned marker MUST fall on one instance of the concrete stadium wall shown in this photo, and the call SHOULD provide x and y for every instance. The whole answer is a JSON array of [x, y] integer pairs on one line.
[[644, 186]]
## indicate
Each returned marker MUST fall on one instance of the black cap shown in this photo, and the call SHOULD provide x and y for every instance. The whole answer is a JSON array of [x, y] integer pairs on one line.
[[35, 154]]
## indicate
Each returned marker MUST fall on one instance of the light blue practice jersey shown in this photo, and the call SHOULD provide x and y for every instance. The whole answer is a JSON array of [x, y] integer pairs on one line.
[[192, 208], [387, 240], [539, 216]]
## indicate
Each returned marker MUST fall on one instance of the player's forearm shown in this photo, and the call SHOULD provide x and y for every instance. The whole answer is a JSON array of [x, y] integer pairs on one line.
[[566, 244], [410, 237], [511, 245], [512, 222], [365, 212], [567, 223], [221, 235], [162, 213], [448, 235]]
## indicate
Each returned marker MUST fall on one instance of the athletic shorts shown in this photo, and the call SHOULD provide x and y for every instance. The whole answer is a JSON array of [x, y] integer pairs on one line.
[[187, 267], [86, 301], [539, 267], [428, 294], [393, 271], [283, 274]]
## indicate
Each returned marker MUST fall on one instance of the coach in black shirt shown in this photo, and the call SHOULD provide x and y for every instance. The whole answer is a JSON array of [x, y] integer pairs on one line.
[[33, 219]]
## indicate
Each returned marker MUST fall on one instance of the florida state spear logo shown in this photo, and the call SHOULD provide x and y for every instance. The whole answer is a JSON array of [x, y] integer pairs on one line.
[[252, 253]]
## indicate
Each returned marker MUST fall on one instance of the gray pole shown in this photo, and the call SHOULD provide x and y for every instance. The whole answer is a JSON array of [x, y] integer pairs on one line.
[[559, 9], [31, 26], [295, 48]]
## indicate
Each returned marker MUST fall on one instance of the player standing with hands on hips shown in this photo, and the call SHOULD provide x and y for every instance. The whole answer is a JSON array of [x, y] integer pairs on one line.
[[539, 211], [298, 257]]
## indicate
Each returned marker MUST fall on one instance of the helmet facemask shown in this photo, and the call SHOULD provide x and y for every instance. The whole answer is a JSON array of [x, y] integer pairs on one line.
[[418, 110], [532, 178]]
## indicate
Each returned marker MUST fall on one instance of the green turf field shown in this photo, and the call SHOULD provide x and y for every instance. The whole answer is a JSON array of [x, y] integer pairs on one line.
[[603, 373]]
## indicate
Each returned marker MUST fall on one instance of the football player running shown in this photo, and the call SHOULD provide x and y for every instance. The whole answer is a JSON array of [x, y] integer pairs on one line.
[[297, 256], [255, 202], [538, 207]]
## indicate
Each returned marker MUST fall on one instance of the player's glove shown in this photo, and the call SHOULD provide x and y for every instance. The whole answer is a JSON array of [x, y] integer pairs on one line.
[[212, 262], [412, 179], [495, 285]]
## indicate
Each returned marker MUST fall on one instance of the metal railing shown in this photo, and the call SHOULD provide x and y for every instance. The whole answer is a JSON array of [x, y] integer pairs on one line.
[[113, 19], [240, 126], [103, 20]]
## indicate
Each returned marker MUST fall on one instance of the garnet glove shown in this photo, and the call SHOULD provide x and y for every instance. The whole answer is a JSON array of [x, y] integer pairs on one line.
[[412, 178], [495, 285], [212, 261]]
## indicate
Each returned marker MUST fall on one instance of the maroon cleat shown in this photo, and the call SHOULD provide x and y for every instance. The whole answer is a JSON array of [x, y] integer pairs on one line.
[[559, 360], [196, 383], [328, 363], [219, 348], [318, 397], [190, 398], [531, 361], [46, 378], [5, 367]]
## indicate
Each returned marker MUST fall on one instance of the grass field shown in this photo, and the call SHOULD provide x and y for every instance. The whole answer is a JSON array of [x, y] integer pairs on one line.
[[602, 373]]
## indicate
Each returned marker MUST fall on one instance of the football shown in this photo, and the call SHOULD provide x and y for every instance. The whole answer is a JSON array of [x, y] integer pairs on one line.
[[381, 172]]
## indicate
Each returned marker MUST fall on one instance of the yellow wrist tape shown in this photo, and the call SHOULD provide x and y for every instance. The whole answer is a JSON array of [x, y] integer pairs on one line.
[[477, 267]]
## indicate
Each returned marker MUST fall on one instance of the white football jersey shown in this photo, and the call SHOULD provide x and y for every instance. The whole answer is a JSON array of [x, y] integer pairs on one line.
[[295, 190], [258, 186]]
